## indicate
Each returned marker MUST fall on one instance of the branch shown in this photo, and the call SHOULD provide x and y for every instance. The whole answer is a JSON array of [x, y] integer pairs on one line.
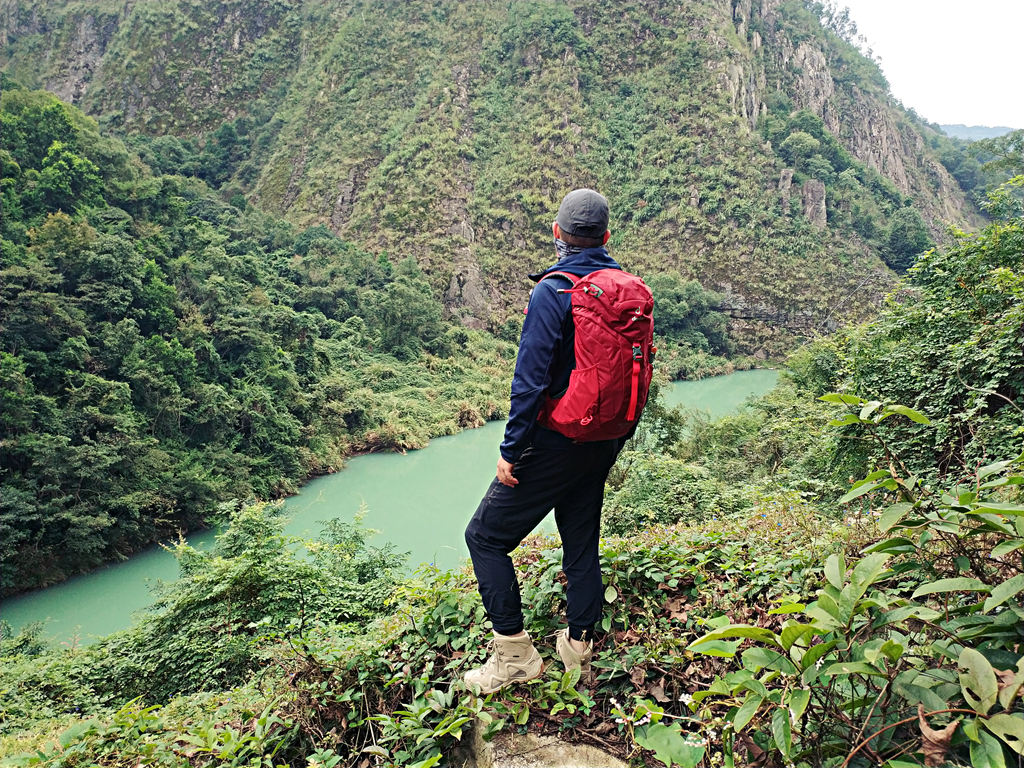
[[904, 721]]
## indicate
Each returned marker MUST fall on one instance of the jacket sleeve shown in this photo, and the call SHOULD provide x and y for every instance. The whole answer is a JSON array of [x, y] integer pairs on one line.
[[538, 346]]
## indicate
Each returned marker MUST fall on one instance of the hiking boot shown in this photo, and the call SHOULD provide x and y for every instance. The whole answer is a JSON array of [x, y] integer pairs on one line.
[[513, 660], [571, 658]]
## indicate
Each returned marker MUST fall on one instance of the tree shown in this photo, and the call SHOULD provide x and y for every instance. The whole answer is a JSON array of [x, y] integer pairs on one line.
[[69, 181], [908, 238], [1008, 150], [799, 147]]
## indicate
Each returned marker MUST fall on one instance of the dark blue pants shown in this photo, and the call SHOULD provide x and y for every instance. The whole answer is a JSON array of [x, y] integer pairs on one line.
[[569, 480]]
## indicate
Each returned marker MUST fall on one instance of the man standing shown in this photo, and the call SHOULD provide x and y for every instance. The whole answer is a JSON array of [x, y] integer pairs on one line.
[[541, 469]]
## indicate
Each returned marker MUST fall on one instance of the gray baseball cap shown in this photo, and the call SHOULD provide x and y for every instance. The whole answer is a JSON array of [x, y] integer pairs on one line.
[[583, 213]]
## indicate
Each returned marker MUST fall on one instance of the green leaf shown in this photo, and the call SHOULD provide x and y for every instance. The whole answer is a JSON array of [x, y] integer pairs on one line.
[[670, 745], [793, 633], [738, 630], [917, 693], [992, 469], [816, 652], [835, 570], [858, 491], [1008, 691], [755, 686], [895, 545], [893, 515], [723, 648], [912, 611], [869, 408], [1006, 547], [1009, 728], [757, 658], [842, 421], [781, 731], [850, 668], [987, 752], [522, 713], [910, 413], [1003, 509], [610, 594], [841, 399], [746, 712], [1003, 592], [797, 700], [75, 732], [867, 571], [959, 584], [787, 608], [977, 680], [892, 650]]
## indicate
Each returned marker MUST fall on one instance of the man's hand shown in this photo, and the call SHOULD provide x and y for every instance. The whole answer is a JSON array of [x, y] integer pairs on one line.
[[505, 476]]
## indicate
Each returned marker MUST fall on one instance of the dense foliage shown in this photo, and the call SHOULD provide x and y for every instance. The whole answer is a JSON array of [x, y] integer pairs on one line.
[[162, 351]]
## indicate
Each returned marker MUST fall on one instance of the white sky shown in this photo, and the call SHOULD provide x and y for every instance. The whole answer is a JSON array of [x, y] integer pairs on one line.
[[953, 61]]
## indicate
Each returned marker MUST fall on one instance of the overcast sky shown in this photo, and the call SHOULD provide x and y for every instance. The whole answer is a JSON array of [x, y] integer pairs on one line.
[[953, 61]]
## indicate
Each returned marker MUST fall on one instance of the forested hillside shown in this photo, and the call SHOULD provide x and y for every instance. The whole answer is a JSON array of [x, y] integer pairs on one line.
[[162, 352], [743, 143]]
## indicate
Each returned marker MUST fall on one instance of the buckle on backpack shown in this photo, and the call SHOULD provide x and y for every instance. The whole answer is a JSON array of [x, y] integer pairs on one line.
[[637, 352]]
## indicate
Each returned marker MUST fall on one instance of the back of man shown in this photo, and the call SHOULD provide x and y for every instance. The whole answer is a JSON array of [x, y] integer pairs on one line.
[[540, 469]]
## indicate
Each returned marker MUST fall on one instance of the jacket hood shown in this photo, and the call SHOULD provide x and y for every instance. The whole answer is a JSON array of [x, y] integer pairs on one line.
[[583, 263]]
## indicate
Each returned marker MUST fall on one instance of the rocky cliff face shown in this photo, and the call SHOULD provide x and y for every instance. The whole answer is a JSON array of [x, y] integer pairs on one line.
[[182, 67], [814, 73]]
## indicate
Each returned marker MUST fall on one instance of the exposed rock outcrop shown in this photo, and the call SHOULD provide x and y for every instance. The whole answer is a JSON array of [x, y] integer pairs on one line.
[[813, 195], [513, 750], [785, 184]]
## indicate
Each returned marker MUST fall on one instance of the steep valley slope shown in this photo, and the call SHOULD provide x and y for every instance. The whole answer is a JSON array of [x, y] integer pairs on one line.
[[740, 142]]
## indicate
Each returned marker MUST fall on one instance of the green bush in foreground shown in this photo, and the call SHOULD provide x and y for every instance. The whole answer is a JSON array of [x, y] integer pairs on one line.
[[913, 647], [211, 628]]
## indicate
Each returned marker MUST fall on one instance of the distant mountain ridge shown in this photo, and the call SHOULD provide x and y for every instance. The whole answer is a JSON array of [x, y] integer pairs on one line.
[[975, 132], [740, 142]]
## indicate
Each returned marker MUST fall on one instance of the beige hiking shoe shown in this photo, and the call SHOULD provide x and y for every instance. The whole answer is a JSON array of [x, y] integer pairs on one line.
[[570, 657], [513, 660]]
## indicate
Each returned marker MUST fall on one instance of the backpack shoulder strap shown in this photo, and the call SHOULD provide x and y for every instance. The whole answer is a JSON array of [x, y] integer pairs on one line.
[[570, 277]]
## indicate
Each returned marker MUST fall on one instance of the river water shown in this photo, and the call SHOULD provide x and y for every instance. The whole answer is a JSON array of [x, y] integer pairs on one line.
[[419, 501]]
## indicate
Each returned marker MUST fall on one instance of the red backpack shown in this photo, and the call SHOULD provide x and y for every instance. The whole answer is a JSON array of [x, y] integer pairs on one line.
[[612, 312]]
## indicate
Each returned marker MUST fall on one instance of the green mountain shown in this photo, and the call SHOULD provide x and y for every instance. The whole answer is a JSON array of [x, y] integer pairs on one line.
[[743, 143]]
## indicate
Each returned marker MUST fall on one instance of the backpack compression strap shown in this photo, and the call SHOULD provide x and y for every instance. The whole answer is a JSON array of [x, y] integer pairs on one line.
[[634, 386]]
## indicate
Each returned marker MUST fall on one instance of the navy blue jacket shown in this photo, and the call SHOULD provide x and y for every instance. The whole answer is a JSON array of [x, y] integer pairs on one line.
[[546, 355]]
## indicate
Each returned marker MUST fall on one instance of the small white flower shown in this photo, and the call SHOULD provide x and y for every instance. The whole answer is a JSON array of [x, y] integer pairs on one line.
[[686, 699], [818, 663]]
